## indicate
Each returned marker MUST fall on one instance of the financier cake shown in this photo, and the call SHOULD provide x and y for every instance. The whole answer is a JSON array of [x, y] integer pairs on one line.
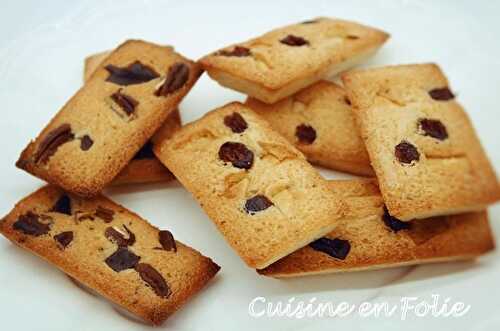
[[101, 128], [258, 189], [111, 250], [286, 60], [144, 166], [370, 238], [421, 143]]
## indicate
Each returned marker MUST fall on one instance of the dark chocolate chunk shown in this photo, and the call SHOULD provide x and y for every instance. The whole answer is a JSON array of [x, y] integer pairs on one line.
[[433, 128], [309, 22], [167, 240], [146, 152], [118, 238], [236, 153], [336, 248], [64, 238], [177, 76], [62, 205], [136, 73], [292, 40], [154, 279], [305, 134], [236, 122], [30, 224], [257, 203], [238, 51], [441, 94], [406, 152], [86, 142], [352, 37], [347, 101], [126, 102], [49, 145], [393, 223], [122, 259], [104, 213]]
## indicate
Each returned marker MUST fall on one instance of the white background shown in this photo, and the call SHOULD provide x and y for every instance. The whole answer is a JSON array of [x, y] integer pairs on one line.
[[42, 47]]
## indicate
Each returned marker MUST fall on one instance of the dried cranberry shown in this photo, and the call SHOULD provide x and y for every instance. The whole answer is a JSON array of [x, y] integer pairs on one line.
[[305, 133], [236, 122], [406, 152], [433, 128], [336, 248], [236, 153]]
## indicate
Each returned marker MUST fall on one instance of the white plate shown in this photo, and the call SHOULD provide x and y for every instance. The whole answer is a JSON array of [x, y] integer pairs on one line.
[[42, 47]]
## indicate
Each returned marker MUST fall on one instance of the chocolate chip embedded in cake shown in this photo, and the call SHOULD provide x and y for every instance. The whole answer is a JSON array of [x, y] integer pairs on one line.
[[167, 240], [292, 40], [237, 51], [406, 152], [135, 73], [86, 143], [31, 224], [51, 142], [393, 223], [64, 238], [305, 134], [257, 203], [441, 94], [125, 102], [433, 128], [337, 248], [177, 77], [237, 154], [236, 123]]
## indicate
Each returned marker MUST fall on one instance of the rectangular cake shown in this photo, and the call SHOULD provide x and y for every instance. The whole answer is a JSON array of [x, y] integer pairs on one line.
[[370, 238], [101, 128], [258, 189], [288, 59], [422, 146], [110, 250]]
